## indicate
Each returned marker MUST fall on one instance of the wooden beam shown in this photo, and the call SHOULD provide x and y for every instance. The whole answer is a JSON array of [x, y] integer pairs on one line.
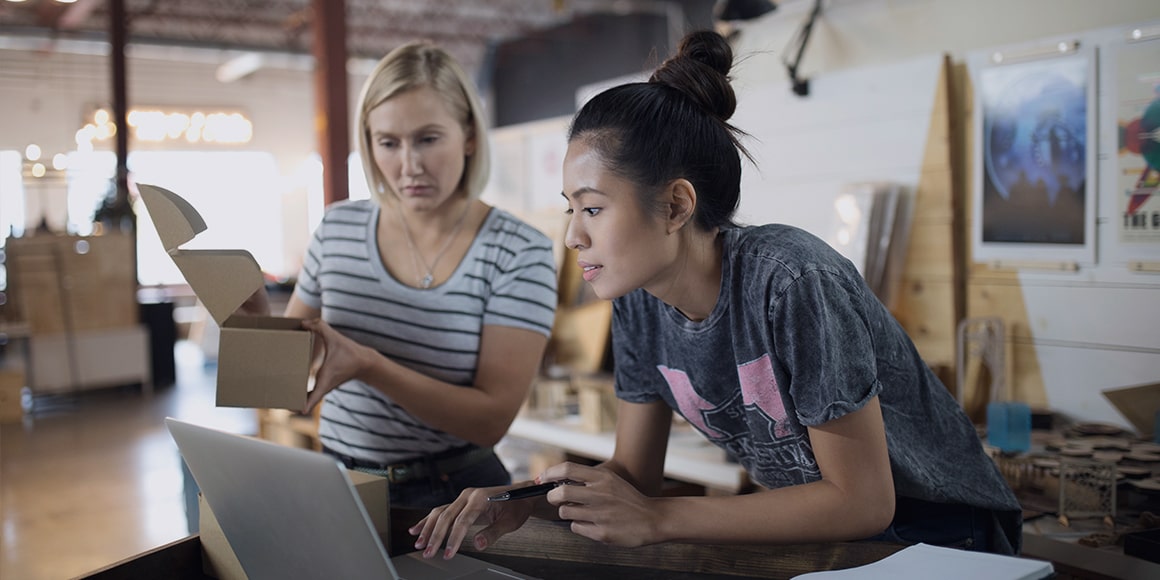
[[331, 116]]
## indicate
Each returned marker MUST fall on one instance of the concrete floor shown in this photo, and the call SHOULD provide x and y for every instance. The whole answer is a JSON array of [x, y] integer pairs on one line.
[[89, 480]]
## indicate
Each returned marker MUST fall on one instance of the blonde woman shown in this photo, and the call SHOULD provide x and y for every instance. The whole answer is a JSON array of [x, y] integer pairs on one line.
[[434, 308]]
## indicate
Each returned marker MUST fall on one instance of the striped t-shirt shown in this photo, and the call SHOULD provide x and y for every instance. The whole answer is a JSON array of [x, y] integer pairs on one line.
[[507, 278]]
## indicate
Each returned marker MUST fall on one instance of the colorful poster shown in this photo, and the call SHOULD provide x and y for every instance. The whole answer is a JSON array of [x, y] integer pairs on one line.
[[1138, 158], [1035, 152]]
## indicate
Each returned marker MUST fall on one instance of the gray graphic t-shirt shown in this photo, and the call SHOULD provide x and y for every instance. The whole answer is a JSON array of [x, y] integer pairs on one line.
[[798, 339]]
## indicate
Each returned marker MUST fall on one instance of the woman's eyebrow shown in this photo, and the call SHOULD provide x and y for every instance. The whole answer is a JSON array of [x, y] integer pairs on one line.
[[581, 193], [431, 127]]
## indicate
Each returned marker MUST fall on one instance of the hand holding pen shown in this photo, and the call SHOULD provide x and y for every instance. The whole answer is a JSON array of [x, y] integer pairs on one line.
[[529, 491]]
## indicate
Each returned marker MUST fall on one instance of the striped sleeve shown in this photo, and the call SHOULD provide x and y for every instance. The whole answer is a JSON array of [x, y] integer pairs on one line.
[[524, 289], [306, 287]]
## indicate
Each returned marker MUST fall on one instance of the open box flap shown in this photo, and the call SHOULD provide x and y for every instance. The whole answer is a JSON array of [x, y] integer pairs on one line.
[[174, 218], [222, 279]]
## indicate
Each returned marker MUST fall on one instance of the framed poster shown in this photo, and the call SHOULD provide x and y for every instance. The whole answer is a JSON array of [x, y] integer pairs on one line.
[[507, 186], [1135, 180], [1035, 156]]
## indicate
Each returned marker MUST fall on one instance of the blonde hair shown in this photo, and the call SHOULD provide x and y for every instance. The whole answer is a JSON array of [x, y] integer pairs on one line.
[[415, 65]]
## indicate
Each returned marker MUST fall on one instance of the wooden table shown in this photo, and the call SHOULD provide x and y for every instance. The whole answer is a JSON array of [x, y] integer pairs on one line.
[[550, 550]]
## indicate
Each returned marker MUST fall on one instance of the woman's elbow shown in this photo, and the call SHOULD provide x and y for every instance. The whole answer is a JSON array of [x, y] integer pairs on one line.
[[490, 433], [878, 515]]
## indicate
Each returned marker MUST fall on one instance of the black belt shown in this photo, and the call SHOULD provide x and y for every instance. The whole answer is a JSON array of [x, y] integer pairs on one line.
[[436, 466]]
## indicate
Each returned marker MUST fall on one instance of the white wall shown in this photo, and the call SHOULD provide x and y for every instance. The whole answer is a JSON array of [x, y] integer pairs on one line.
[[856, 33], [1093, 329]]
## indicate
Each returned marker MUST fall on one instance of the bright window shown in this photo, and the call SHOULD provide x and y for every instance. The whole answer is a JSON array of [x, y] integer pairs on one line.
[[11, 195], [90, 181], [238, 194], [11, 203]]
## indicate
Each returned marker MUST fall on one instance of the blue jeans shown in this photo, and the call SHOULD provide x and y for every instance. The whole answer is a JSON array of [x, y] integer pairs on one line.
[[427, 493], [953, 526], [439, 488]]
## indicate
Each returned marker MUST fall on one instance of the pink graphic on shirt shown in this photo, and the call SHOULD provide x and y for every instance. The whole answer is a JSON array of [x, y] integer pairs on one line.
[[690, 403], [759, 389]]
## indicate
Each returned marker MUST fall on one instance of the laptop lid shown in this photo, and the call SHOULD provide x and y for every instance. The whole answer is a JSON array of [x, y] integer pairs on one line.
[[287, 512]]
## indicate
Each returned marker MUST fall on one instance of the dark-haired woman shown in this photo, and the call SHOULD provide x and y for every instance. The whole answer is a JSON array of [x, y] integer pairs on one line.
[[764, 338]]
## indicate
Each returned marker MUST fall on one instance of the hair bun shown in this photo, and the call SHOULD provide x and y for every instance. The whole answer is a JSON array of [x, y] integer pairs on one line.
[[700, 70]]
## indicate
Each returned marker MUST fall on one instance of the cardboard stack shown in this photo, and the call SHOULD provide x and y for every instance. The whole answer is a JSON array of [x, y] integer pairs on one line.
[[77, 298]]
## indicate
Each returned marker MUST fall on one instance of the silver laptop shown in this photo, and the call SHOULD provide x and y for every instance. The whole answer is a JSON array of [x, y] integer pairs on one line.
[[293, 513]]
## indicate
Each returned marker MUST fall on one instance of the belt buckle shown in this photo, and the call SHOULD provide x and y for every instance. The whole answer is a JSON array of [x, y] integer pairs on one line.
[[398, 473]]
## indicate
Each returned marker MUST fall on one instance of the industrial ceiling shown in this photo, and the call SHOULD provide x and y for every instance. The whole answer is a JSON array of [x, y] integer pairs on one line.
[[373, 27]]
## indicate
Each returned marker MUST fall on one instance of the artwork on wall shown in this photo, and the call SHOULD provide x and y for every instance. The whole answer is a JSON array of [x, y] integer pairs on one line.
[[507, 183], [547, 146], [1035, 157], [1136, 185]]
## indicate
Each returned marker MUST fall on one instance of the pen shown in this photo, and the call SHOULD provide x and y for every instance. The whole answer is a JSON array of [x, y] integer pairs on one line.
[[524, 492]]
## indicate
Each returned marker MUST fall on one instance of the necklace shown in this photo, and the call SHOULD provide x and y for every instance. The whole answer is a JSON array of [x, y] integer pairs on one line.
[[427, 278]]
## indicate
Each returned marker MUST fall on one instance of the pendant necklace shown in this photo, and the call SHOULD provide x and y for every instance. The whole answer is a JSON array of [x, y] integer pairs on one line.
[[425, 280]]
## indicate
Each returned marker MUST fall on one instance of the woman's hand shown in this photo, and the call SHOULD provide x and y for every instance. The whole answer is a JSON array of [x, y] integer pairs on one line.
[[451, 522], [604, 507], [342, 360]]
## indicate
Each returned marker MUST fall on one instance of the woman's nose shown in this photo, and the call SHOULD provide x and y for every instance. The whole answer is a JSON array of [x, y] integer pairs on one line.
[[574, 237], [412, 161]]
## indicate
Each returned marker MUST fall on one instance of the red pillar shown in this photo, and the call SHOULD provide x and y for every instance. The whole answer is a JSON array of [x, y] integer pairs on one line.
[[331, 116]]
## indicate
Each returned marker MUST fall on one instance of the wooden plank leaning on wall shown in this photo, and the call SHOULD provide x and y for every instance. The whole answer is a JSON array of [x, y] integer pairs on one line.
[[929, 298]]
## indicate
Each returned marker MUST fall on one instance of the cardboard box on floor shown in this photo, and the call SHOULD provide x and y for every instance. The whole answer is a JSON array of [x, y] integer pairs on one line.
[[263, 361], [219, 561]]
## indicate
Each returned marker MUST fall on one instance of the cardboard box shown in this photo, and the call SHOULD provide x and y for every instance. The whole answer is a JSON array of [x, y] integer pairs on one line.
[[263, 361], [219, 561]]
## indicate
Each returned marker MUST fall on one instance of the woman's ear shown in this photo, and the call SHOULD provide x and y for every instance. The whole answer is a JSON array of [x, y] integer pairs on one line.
[[682, 202], [469, 143]]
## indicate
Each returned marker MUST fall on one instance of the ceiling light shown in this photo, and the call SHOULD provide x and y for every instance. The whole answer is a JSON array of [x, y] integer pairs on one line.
[[239, 67]]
